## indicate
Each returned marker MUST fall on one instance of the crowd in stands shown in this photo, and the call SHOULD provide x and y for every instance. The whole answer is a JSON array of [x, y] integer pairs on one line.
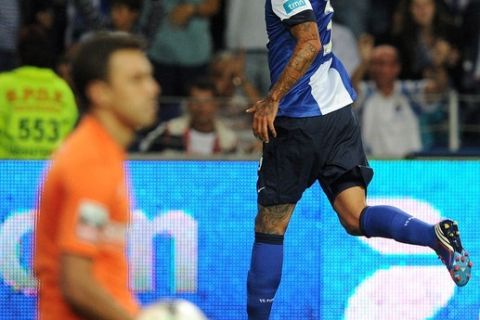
[[210, 59]]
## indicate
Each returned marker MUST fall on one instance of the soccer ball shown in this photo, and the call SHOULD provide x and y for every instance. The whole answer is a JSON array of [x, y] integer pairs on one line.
[[174, 309]]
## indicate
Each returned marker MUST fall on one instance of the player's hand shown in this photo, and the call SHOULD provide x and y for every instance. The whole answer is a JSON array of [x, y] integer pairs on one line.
[[264, 113], [181, 14]]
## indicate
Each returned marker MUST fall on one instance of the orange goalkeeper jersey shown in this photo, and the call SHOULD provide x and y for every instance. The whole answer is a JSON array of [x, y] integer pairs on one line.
[[84, 210]]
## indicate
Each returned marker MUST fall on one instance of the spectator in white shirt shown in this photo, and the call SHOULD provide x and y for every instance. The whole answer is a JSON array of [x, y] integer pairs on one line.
[[198, 132], [388, 107]]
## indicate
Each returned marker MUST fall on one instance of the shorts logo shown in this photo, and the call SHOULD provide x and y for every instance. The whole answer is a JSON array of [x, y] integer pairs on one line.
[[291, 5]]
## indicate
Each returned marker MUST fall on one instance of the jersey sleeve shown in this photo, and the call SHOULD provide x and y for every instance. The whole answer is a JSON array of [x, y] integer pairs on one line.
[[293, 12], [88, 196]]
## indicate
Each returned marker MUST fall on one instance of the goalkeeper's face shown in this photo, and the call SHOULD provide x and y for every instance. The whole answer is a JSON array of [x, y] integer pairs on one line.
[[131, 91]]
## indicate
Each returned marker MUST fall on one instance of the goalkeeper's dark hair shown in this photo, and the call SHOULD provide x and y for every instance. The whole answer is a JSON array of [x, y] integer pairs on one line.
[[92, 59]]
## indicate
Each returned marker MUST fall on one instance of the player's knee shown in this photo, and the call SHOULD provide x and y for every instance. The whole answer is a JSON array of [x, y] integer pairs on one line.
[[353, 231], [351, 226], [267, 228], [273, 219], [350, 218]]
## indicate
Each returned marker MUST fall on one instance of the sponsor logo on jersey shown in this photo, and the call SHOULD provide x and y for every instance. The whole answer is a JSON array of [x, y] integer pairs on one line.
[[291, 5]]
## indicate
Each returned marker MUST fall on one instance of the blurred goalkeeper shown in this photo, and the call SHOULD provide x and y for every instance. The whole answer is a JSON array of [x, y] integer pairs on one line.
[[80, 258]]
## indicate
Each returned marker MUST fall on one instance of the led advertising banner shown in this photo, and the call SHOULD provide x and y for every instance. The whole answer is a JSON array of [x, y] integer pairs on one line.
[[192, 234]]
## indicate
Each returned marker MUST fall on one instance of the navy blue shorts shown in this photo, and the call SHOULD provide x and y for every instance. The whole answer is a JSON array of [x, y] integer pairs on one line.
[[327, 149]]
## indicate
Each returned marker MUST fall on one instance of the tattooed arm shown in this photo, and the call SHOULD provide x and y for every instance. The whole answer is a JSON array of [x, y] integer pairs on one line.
[[307, 47]]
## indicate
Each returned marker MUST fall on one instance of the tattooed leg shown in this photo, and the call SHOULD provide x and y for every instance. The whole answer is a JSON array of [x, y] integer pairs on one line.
[[273, 219], [267, 259]]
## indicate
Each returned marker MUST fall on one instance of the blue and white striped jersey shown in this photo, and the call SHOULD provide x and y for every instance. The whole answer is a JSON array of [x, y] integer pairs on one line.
[[325, 87]]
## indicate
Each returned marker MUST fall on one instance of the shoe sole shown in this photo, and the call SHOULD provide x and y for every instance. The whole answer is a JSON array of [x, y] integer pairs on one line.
[[461, 268]]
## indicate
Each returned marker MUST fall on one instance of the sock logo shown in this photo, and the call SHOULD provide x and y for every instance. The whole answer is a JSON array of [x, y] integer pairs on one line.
[[408, 221], [266, 300]]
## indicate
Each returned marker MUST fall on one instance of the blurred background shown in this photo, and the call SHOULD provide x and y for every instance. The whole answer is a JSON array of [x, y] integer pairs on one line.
[[415, 65], [210, 59]]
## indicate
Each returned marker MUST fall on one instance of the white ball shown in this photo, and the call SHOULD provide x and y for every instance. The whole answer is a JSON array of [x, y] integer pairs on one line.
[[173, 309]]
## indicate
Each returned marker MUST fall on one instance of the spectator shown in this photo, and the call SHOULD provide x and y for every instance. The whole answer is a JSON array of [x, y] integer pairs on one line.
[[124, 15], [37, 108], [43, 18], [9, 25], [199, 132], [181, 44], [245, 33], [423, 37], [84, 16], [63, 28], [71, 19], [227, 70], [123, 18], [387, 106]]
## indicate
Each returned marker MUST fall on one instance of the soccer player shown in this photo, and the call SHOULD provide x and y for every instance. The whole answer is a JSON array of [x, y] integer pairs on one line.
[[310, 134], [80, 248]]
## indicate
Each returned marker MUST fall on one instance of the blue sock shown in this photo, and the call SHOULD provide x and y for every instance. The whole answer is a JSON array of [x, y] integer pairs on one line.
[[264, 275], [393, 223]]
